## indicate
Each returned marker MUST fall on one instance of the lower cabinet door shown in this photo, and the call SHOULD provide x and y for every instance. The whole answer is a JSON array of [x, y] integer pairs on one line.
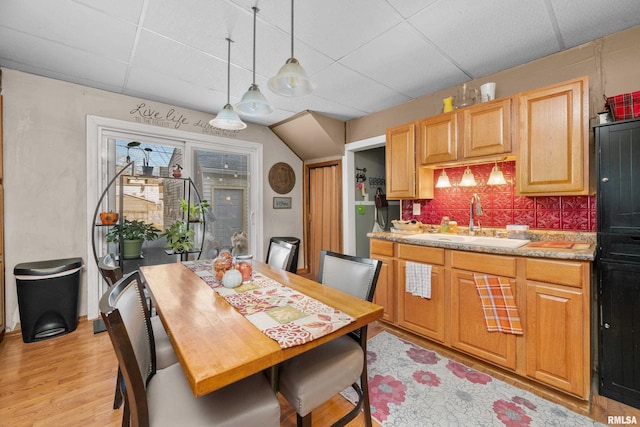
[[555, 337], [385, 289], [468, 328], [424, 316]]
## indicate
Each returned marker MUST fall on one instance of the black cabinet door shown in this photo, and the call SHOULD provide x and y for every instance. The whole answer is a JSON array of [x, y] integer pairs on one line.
[[618, 169], [619, 355]]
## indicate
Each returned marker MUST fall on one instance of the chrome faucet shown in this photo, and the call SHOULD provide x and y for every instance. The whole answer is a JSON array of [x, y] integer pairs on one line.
[[476, 199]]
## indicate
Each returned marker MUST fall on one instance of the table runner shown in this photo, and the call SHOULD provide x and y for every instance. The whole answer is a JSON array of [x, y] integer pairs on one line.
[[283, 314]]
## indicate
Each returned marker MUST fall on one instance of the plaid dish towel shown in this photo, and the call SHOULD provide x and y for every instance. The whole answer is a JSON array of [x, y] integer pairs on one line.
[[498, 304], [418, 279]]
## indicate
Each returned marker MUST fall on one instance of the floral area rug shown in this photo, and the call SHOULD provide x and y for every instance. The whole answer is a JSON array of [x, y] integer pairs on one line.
[[411, 386]]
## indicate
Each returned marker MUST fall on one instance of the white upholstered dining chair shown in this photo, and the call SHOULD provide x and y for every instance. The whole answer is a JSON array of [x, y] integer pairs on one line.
[[163, 397], [313, 377], [165, 356], [280, 254]]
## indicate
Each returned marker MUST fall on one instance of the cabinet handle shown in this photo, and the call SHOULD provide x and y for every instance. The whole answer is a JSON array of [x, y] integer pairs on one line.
[[605, 179]]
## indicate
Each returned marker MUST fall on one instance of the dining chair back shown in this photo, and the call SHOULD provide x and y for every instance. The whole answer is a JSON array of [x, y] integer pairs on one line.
[[280, 254], [165, 356], [163, 397], [109, 268], [312, 378]]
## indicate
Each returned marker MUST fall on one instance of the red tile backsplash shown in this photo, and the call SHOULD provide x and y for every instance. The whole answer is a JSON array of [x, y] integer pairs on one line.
[[501, 205]]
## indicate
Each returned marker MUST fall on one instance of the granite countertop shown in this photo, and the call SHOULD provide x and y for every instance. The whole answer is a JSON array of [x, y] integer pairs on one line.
[[544, 244]]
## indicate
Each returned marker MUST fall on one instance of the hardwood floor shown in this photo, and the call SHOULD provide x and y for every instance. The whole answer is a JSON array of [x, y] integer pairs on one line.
[[69, 381]]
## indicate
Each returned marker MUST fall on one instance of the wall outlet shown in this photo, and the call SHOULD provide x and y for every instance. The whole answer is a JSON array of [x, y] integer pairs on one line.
[[416, 208]]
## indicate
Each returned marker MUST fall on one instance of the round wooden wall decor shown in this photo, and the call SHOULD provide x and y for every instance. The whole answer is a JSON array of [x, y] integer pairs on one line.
[[281, 178]]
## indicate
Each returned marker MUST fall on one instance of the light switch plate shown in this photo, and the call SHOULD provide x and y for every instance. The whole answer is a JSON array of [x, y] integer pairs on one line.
[[416, 208], [361, 209]]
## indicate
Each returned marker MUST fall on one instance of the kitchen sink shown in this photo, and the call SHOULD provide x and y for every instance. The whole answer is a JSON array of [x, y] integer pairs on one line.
[[494, 242]]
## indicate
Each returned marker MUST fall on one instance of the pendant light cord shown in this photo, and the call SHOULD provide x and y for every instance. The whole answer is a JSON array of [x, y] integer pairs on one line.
[[229, 69], [255, 13], [292, 28]]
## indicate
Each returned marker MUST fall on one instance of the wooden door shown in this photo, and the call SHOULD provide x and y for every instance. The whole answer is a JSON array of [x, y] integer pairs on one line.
[[438, 139], [425, 316], [468, 328], [555, 338], [323, 207], [400, 162], [486, 129], [554, 140]]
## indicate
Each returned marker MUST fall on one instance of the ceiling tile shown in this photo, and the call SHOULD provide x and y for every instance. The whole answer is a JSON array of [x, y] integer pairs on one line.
[[71, 24], [489, 36], [406, 62]]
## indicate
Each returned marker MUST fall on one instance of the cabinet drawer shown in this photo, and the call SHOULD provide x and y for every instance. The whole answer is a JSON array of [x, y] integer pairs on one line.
[[381, 247], [421, 254], [484, 263], [569, 273]]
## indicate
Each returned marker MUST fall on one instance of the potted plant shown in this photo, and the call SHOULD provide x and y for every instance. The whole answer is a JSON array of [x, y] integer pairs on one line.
[[194, 210], [133, 233], [179, 237], [146, 169]]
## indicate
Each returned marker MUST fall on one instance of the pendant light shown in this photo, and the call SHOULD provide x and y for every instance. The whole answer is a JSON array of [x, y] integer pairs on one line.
[[496, 177], [227, 118], [443, 180], [468, 180], [253, 102], [291, 80]]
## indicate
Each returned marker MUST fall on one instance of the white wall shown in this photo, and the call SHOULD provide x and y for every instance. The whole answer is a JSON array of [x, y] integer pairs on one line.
[[45, 169]]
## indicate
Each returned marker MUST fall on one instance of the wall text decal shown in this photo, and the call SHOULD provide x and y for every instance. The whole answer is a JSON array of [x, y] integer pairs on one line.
[[143, 113]]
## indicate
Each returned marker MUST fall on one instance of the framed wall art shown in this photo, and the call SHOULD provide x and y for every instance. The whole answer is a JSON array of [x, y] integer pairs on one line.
[[282, 203]]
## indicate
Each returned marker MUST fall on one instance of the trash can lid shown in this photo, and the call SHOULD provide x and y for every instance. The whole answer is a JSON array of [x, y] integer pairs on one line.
[[45, 268]]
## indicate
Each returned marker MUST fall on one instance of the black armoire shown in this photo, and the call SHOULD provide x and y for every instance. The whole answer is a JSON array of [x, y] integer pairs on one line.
[[618, 259]]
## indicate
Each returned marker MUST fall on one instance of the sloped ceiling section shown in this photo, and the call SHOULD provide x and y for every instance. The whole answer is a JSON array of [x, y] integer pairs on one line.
[[312, 135]]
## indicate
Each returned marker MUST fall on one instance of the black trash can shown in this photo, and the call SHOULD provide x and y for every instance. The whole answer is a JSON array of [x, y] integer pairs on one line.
[[48, 297], [295, 242]]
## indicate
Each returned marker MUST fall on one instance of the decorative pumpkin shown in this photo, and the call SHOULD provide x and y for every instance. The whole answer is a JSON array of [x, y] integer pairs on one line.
[[109, 218], [232, 279]]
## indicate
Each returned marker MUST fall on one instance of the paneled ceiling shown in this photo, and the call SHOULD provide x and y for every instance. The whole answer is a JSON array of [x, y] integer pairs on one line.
[[363, 55]]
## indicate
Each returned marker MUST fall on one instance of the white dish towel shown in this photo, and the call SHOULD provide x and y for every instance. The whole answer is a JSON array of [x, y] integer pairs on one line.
[[418, 279]]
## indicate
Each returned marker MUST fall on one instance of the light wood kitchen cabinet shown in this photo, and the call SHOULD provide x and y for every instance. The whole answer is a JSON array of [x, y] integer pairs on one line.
[[554, 155], [482, 130], [468, 328], [438, 139], [486, 129], [425, 316], [557, 327], [552, 296], [400, 161], [385, 295], [405, 179]]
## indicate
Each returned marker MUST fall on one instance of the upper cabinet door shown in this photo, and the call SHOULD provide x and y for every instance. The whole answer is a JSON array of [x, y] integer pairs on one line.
[[438, 139], [553, 140], [486, 129], [400, 161]]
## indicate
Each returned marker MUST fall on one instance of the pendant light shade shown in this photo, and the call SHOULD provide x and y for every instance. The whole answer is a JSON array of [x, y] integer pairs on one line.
[[496, 177], [443, 180], [227, 118], [468, 180], [253, 102], [291, 80]]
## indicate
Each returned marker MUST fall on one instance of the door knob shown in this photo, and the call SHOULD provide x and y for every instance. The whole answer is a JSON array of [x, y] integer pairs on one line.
[[606, 326], [605, 179]]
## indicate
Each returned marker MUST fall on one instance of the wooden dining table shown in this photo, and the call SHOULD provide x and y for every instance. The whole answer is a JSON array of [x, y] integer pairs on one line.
[[215, 344]]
